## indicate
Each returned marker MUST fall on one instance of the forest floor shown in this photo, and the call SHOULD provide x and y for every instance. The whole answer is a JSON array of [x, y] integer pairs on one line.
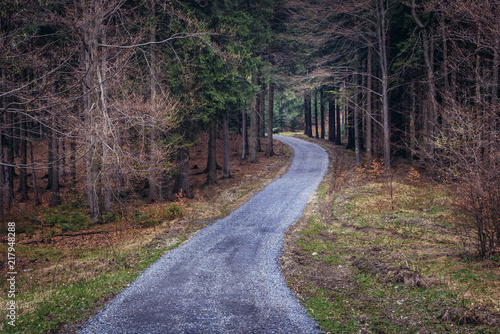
[[388, 255], [68, 270]]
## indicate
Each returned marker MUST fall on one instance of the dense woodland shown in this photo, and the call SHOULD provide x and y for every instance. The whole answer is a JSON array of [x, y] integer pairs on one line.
[[106, 97]]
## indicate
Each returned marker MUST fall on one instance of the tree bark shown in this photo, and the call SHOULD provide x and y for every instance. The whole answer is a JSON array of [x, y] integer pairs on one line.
[[381, 31], [270, 121], [368, 119], [212, 154], [322, 111], [331, 119], [254, 126], [262, 111], [349, 125], [182, 180], [54, 187], [316, 113], [356, 131], [308, 116], [23, 179], [2, 176], [33, 175], [244, 133], [226, 172], [338, 138]]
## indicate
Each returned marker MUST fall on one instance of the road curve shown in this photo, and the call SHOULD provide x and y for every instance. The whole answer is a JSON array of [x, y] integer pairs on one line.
[[226, 279]]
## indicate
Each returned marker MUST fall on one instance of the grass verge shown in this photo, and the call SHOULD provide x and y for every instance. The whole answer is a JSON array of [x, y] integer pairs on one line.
[[388, 255], [68, 270]]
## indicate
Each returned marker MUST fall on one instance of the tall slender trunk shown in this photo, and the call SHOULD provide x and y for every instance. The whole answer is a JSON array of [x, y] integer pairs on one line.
[[258, 107], [23, 178], [254, 126], [93, 158], [262, 110], [413, 112], [182, 179], [54, 187], [384, 68], [50, 157], [153, 177], [368, 114], [72, 171], [244, 134], [496, 64], [431, 85], [308, 116], [33, 175], [270, 112], [338, 138], [2, 176], [356, 130], [331, 119], [322, 111], [350, 125], [316, 113], [212, 154], [226, 172], [9, 160]]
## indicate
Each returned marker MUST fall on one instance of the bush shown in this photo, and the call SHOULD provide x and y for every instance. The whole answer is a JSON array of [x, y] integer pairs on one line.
[[469, 154], [172, 212]]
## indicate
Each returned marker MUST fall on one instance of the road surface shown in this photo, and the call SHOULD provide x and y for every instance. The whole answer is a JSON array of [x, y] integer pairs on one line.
[[226, 279]]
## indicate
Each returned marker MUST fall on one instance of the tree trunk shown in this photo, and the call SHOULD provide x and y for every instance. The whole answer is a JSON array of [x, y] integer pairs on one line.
[[62, 167], [244, 131], [331, 119], [212, 154], [368, 114], [33, 175], [50, 157], [54, 187], [23, 179], [262, 111], [226, 172], [322, 110], [269, 147], [338, 138], [413, 112], [356, 130], [254, 126], [154, 186], [384, 68], [316, 113], [2, 176], [182, 180], [72, 171], [9, 159], [349, 125], [308, 116]]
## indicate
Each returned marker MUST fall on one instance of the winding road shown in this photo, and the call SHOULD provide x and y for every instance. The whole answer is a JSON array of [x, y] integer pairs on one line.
[[226, 279]]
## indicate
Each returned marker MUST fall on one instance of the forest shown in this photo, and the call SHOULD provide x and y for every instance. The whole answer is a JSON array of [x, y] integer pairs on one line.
[[102, 100]]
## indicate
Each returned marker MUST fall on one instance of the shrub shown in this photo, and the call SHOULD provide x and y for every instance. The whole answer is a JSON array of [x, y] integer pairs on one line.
[[469, 154], [173, 211]]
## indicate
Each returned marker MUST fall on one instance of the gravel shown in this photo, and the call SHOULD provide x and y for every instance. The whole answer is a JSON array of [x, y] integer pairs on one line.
[[226, 279]]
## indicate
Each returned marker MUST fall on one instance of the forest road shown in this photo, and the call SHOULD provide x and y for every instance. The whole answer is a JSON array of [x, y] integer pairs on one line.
[[226, 279]]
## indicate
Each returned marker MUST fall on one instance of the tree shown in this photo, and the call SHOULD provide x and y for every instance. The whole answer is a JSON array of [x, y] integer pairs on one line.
[[270, 120]]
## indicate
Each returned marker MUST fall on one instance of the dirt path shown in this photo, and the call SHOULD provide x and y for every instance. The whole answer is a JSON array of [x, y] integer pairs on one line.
[[227, 278]]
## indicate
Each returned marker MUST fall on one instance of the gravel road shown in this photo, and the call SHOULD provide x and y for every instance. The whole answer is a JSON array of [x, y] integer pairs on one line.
[[226, 279]]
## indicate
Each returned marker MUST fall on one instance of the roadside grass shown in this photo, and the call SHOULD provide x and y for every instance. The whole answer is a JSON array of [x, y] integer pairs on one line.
[[370, 262], [69, 291], [68, 270]]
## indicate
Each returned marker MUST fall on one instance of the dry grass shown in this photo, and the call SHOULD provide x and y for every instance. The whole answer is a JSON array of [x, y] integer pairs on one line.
[[388, 254], [65, 278]]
